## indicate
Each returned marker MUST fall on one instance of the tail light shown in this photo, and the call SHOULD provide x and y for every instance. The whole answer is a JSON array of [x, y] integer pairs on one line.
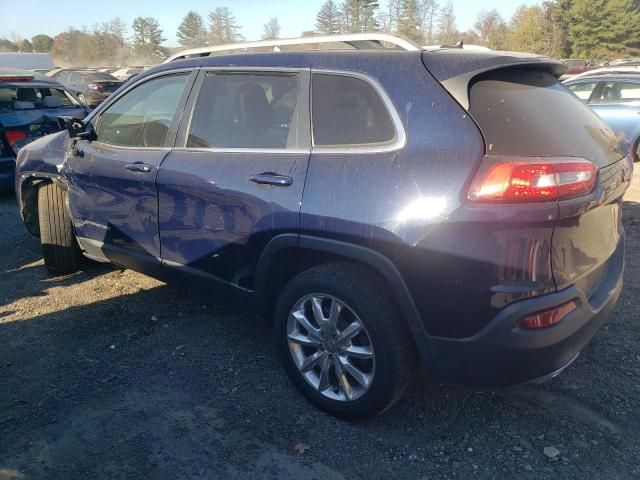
[[532, 179], [14, 135], [96, 86], [547, 318]]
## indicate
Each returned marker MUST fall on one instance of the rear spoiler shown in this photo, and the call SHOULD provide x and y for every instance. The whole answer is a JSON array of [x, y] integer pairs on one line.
[[455, 69]]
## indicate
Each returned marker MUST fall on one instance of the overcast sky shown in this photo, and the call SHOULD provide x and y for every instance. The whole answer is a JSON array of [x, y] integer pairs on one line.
[[26, 18]]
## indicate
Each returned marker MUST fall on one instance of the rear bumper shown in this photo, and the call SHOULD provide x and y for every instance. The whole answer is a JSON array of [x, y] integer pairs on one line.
[[502, 354], [7, 171], [94, 98]]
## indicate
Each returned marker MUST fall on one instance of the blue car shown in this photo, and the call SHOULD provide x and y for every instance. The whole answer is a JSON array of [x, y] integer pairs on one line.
[[616, 98], [380, 206], [30, 104]]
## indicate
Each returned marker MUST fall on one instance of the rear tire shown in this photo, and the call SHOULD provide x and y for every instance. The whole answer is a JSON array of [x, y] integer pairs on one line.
[[362, 296], [57, 237]]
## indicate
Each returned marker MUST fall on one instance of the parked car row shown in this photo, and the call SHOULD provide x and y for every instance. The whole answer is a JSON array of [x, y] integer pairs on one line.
[[30, 104]]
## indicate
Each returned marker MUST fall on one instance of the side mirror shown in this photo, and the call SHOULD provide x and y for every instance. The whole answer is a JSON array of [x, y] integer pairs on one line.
[[77, 130]]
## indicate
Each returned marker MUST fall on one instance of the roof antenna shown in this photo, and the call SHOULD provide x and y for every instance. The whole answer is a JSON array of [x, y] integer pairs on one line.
[[459, 44]]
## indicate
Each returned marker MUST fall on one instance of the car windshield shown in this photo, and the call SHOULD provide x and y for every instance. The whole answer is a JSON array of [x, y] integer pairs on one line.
[[40, 97]]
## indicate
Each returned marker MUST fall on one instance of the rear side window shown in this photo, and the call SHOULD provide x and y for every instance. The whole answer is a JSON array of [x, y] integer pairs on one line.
[[583, 90], [348, 112], [35, 95], [142, 116], [247, 110], [528, 113], [618, 92]]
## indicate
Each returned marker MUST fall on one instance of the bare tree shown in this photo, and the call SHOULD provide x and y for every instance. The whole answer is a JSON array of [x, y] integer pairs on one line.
[[429, 13], [447, 29], [223, 27], [271, 29], [488, 24]]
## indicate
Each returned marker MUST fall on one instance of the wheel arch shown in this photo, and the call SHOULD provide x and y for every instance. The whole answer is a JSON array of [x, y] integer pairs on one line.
[[287, 255], [27, 196]]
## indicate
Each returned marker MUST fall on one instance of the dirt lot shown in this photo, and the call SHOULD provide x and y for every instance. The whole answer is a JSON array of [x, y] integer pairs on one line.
[[110, 374]]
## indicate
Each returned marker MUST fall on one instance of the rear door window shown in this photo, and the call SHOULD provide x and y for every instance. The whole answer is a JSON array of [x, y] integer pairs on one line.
[[142, 116], [583, 90], [248, 110], [348, 112]]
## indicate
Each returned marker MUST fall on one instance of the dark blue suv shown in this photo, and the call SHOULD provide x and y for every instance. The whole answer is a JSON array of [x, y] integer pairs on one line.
[[382, 207]]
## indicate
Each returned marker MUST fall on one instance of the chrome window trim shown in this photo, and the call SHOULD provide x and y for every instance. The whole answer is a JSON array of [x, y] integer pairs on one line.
[[278, 151], [400, 137], [241, 69], [129, 148]]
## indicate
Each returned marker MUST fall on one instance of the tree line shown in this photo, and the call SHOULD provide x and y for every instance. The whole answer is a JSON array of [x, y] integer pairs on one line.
[[596, 30]]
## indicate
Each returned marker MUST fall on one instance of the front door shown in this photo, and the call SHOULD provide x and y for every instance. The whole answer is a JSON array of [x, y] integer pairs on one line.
[[235, 178], [112, 192]]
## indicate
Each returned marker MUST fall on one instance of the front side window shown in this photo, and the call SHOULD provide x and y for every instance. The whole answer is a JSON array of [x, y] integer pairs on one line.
[[583, 90], [348, 112], [142, 117], [246, 110]]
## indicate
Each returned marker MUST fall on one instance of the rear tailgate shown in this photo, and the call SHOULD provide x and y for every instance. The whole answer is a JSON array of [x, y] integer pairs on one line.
[[523, 111]]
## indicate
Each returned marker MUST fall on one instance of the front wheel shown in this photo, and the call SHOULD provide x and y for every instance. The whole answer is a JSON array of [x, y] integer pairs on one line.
[[59, 246], [342, 341]]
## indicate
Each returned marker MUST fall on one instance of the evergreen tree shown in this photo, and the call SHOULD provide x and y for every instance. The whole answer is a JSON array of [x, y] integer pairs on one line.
[[359, 15], [223, 27], [624, 22], [409, 21], [191, 32], [271, 29], [42, 43], [147, 39], [328, 19]]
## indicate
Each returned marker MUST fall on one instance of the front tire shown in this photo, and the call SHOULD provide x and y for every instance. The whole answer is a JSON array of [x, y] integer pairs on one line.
[[342, 340], [57, 237]]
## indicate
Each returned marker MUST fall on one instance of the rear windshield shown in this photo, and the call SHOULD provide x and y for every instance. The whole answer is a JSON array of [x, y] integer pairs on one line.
[[9, 95], [97, 77], [528, 113]]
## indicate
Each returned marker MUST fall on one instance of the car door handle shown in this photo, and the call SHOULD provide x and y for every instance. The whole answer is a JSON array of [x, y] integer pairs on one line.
[[139, 167], [270, 178]]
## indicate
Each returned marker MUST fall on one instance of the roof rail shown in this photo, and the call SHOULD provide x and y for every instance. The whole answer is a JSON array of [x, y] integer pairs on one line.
[[359, 41]]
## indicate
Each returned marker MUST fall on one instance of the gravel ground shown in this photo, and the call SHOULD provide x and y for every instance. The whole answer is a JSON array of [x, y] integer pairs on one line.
[[110, 374]]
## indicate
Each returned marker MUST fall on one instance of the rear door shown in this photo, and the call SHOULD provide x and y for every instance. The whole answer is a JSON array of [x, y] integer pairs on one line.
[[235, 177], [112, 192]]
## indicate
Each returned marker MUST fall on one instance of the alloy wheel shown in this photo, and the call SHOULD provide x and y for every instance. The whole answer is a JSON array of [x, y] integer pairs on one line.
[[331, 347]]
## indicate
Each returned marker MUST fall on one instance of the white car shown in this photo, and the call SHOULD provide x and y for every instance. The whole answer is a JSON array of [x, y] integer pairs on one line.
[[125, 74]]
